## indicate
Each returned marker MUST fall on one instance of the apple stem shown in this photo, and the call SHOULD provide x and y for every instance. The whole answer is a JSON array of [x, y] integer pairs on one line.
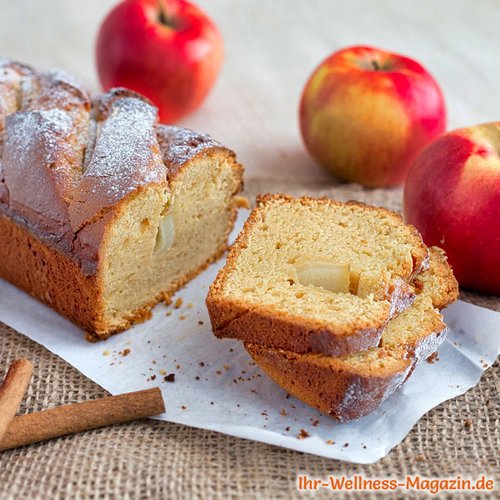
[[376, 66], [163, 16]]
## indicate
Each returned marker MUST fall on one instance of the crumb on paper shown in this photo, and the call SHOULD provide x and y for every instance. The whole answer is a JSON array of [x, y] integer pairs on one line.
[[433, 358], [163, 372], [178, 303], [226, 367], [106, 353], [330, 442], [200, 322], [201, 363], [197, 378], [182, 317], [303, 434], [169, 378], [169, 313], [189, 305], [219, 372], [287, 429], [346, 445], [183, 407], [283, 412], [315, 423], [125, 352]]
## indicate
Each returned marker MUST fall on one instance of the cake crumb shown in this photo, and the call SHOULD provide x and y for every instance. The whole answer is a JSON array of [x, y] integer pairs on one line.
[[182, 317], [283, 412], [106, 353], [420, 458], [169, 313], [183, 407], [169, 378], [163, 372], [200, 322], [124, 353], [197, 378], [346, 445], [178, 303], [433, 358], [330, 442], [468, 423], [303, 434], [315, 423], [189, 305], [201, 363], [226, 367], [287, 429]]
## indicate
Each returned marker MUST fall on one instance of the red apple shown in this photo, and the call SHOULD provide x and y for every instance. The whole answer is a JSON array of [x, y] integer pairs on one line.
[[452, 195], [168, 50], [365, 114]]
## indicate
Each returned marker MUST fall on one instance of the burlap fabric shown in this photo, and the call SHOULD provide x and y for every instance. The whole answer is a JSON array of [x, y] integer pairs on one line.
[[163, 460]]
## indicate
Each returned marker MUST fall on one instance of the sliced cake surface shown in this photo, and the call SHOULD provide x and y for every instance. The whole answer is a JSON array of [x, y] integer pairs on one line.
[[316, 275], [103, 211], [349, 386]]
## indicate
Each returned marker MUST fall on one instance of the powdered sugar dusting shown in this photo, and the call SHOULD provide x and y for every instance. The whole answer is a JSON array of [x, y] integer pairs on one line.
[[35, 143], [126, 155], [124, 149], [48, 126], [179, 145]]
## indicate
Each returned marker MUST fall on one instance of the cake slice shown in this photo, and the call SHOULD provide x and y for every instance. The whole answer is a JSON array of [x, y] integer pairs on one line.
[[350, 386], [103, 211], [316, 275]]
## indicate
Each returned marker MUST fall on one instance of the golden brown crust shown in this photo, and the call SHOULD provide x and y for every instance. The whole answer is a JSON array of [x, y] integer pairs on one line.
[[331, 388], [49, 275], [441, 273], [232, 318]]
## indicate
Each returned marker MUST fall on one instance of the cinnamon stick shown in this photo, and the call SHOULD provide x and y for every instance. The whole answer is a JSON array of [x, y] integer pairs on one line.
[[12, 391], [78, 417]]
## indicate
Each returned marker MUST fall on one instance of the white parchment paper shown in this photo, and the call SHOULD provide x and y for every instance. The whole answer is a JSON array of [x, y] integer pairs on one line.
[[217, 387]]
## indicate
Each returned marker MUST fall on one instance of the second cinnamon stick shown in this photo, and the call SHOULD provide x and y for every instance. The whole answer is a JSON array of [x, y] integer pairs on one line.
[[78, 417], [12, 391]]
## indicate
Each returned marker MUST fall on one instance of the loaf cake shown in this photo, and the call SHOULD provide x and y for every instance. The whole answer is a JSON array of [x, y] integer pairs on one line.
[[103, 211], [350, 386], [315, 275]]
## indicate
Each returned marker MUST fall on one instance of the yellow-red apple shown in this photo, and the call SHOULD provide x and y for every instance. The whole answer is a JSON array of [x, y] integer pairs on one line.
[[365, 114], [168, 50], [452, 195]]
